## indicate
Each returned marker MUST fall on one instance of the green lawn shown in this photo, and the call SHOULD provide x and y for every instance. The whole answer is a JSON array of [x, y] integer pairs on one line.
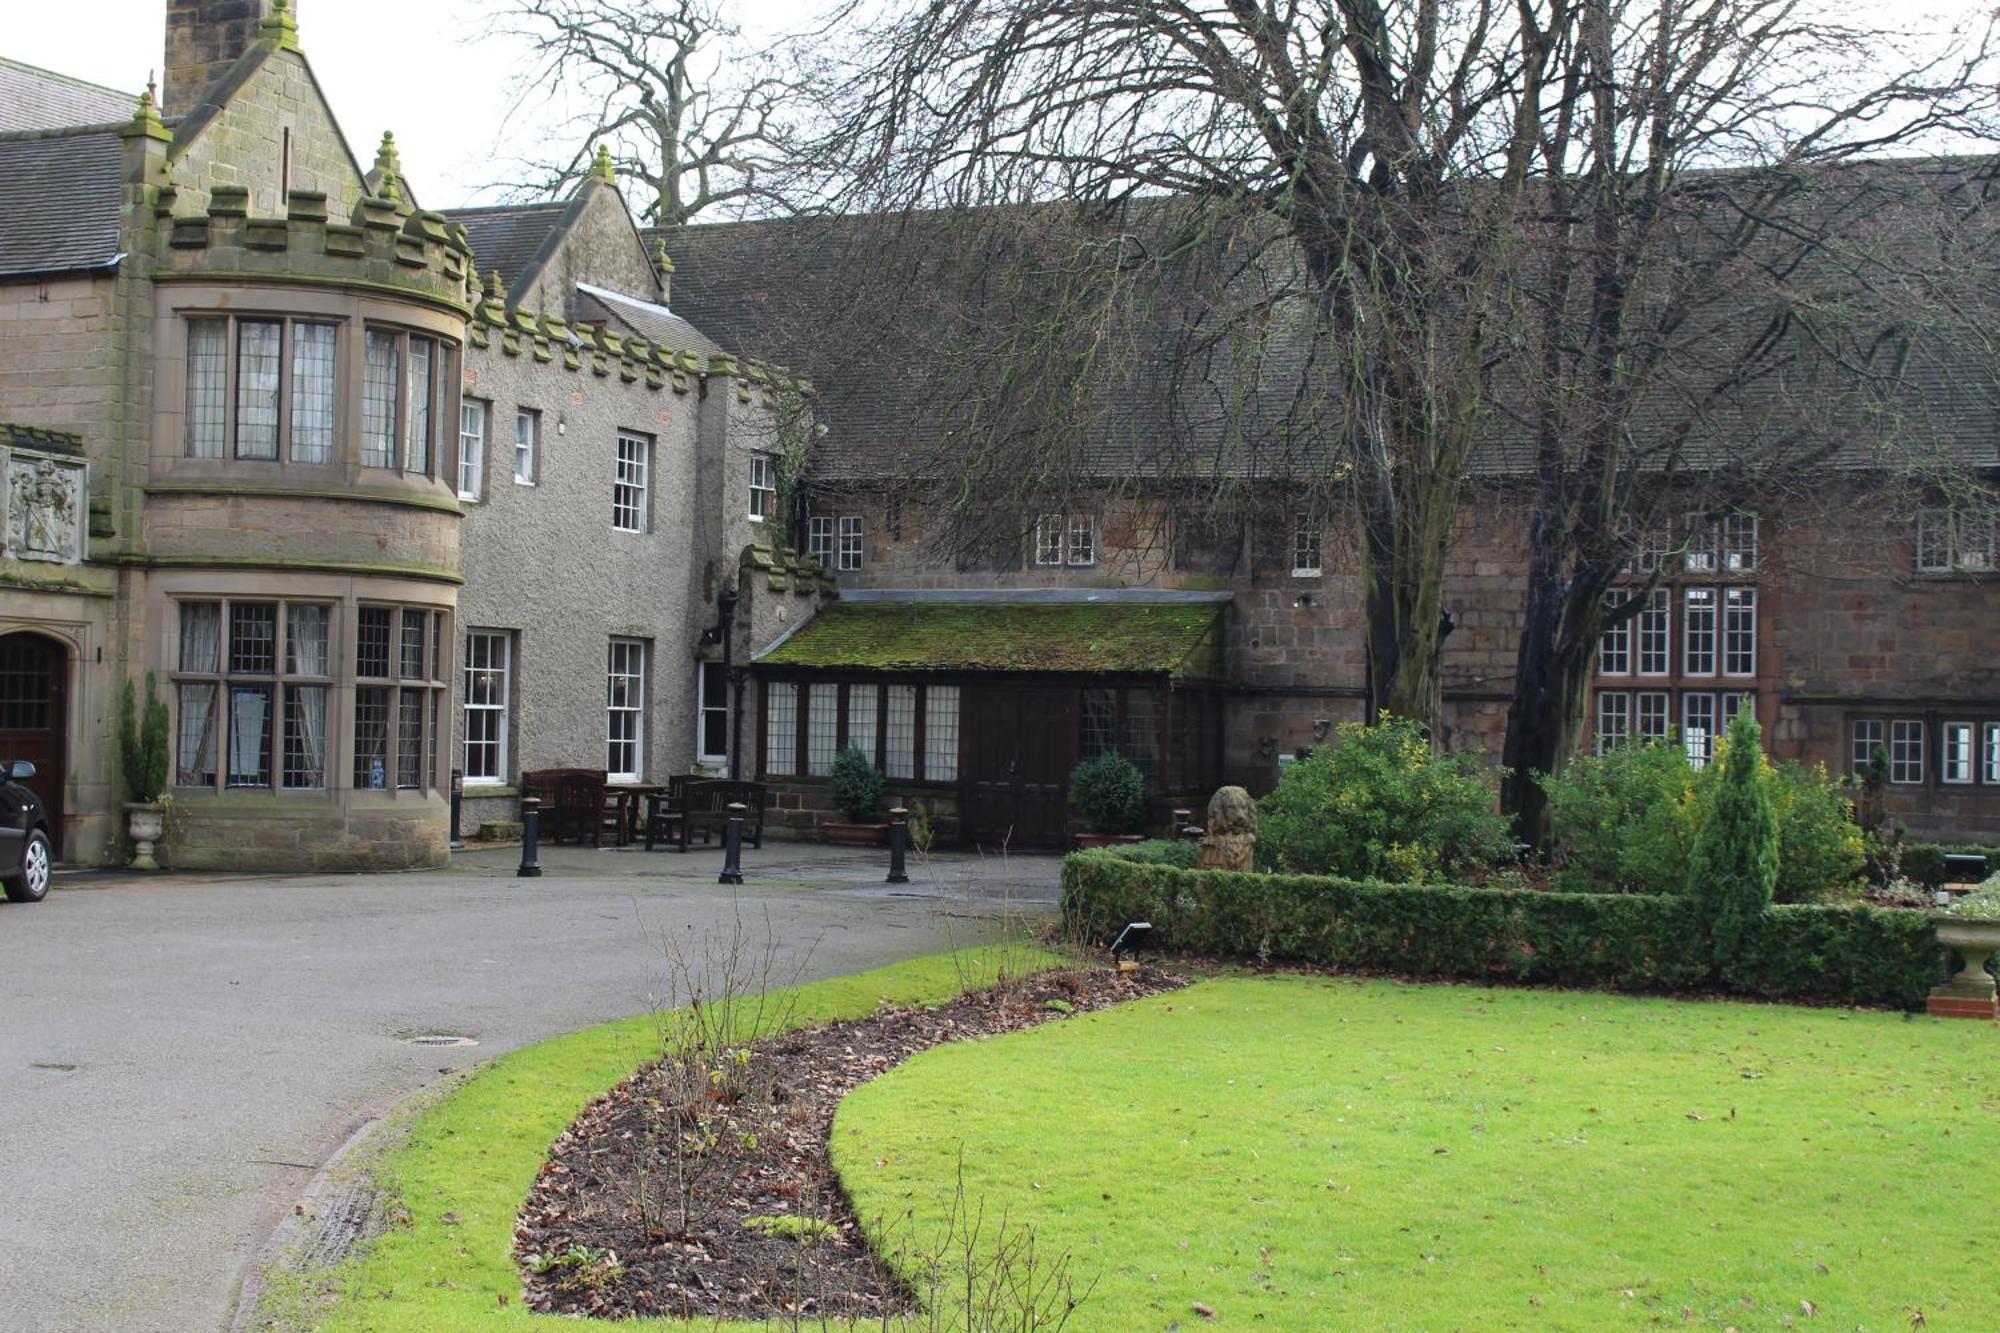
[[1329, 1154]]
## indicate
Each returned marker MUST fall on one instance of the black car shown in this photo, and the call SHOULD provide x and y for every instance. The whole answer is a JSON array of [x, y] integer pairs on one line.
[[25, 858]]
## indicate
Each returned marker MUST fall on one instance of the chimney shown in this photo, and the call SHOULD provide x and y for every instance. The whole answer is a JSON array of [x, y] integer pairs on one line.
[[204, 38]]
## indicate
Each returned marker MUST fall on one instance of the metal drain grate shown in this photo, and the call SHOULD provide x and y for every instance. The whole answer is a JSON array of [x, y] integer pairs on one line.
[[442, 1039]]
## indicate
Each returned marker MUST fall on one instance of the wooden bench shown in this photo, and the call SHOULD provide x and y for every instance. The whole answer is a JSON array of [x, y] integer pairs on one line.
[[574, 805], [696, 804]]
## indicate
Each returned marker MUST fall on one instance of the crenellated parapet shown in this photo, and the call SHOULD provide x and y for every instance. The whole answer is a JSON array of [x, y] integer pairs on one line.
[[604, 352], [385, 246]]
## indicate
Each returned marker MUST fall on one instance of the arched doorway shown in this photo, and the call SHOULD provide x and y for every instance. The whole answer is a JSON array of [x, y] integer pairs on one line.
[[34, 681]]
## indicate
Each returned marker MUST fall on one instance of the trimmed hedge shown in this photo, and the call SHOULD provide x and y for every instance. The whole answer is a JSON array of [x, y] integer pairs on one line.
[[1857, 955], [1924, 861]]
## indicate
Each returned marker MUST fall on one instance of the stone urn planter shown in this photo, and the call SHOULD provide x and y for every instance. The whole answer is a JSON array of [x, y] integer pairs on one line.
[[145, 823], [1969, 994], [855, 835]]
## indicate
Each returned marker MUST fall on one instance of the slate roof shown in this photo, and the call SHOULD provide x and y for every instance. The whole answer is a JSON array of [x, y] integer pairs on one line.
[[41, 99], [513, 238], [60, 199], [655, 323], [878, 318], [1181, 640]]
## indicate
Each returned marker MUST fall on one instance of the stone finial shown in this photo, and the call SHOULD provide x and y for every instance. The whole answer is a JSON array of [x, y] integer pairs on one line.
[[387, 160], [495, 289], [601, 168], [661, 260], [280, 25], [145, 120]]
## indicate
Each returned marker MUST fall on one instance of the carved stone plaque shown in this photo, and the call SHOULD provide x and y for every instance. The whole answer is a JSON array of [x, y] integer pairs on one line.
[[45, 503]]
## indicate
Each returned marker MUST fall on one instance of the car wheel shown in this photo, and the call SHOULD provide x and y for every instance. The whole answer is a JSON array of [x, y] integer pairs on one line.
[[32, 884]]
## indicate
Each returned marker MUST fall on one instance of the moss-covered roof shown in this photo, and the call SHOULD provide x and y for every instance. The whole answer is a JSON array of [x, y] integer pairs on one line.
[[1178, 640]]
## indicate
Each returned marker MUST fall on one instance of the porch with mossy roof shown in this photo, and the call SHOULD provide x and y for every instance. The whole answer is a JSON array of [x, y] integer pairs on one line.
[[1181, 640]]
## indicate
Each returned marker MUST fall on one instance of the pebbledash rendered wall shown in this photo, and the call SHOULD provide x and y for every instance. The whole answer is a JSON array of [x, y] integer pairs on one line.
[[544, 565]]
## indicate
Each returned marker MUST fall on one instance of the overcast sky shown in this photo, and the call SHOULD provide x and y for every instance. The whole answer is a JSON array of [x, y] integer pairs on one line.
[[411, 66]]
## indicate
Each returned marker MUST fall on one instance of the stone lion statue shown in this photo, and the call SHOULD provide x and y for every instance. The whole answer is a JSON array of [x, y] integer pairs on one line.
[[1231, 839]]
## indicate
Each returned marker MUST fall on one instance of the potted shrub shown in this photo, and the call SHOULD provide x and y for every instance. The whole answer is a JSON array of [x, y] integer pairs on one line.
[[857, 787], [1110, 792], [142, 751]]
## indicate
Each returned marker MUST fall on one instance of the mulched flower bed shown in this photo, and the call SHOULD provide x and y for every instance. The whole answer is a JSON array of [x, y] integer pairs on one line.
[[643, 1210]]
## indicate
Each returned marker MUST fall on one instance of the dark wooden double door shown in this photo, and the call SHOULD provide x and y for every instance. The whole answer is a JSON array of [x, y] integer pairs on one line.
[[34, 680], [1017, 748]]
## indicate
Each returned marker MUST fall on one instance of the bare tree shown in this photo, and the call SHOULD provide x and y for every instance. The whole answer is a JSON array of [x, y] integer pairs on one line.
[[1469, 214], [668, 86]]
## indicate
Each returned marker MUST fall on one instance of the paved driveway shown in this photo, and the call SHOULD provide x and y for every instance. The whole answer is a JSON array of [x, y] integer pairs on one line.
[[178, 1056]]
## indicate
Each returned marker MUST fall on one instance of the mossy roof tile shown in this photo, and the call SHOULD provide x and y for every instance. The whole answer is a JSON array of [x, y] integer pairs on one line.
[[1177, 640]]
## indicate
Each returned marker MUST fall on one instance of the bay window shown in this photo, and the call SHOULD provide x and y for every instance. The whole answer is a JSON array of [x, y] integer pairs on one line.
[[251, 683], [247, 398]]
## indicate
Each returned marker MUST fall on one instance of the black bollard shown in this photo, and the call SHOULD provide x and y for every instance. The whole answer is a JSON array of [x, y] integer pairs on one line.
[[457, 810], [899, 841], [732, 846], [531, 839]]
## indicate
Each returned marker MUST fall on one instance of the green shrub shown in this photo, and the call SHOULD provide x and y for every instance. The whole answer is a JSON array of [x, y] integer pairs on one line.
[[857, 786], [1378, 804], [1733, 864], [1156, 852], [1111, 792], [1622, 822], [1821, 853], [1843, 954], [142, 742]]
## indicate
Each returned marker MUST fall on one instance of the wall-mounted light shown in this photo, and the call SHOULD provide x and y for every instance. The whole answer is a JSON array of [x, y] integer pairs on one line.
[[562, 424], [1303, 599]]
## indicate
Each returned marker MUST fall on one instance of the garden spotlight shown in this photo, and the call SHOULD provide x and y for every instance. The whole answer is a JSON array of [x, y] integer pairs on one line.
[[1132, 928]]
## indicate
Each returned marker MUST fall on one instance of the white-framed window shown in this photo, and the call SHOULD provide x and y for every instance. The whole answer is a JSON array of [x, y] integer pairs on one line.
[[1614, 719], [1306, 554], [527, 445], [862, 710], [1614, 649], [1906, 751], [1734, 702], [1866, 736], [1698, 631], [941, 733], [781, 729], [899, 732], [472, 418], [819, 539], [628, 484], [1655, 545], [1653, 711], [1739, 543], [1699, 555], [1739, 631], [489, 664], [1955, 753], [1989, 752], [625, 711], [1655, 623], [1954, 541], [259, 386], [711, 739], [763, 487], [822, 728], [850, 542], [1698, 728], [1066, 539]]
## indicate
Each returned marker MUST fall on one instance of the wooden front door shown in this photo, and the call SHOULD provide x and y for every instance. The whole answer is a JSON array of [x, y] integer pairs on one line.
[[34, 675], [1017, 750]]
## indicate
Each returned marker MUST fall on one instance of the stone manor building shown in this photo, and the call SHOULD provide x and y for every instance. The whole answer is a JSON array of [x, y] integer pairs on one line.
[[373, 492]]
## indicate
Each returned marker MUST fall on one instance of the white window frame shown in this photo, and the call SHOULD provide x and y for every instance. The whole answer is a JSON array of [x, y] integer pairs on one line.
[[1739, 543], [703, 706], [1656, 545], [527, 445], [851, 546], [1308, 553], [1699, 757], [1989, 752], [1081, 536], [1049, 531], [1907, 744], [1955, 541], [1656, 618], [1700, 555], [474, 414], [629, 482], [1614, 646], [1614, 720], [1690, 599], [1958, 753], [819, 539], [763, 487], [1662, 707], [625, 661], [1865, 735], [500, 666], [1739, 620]]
